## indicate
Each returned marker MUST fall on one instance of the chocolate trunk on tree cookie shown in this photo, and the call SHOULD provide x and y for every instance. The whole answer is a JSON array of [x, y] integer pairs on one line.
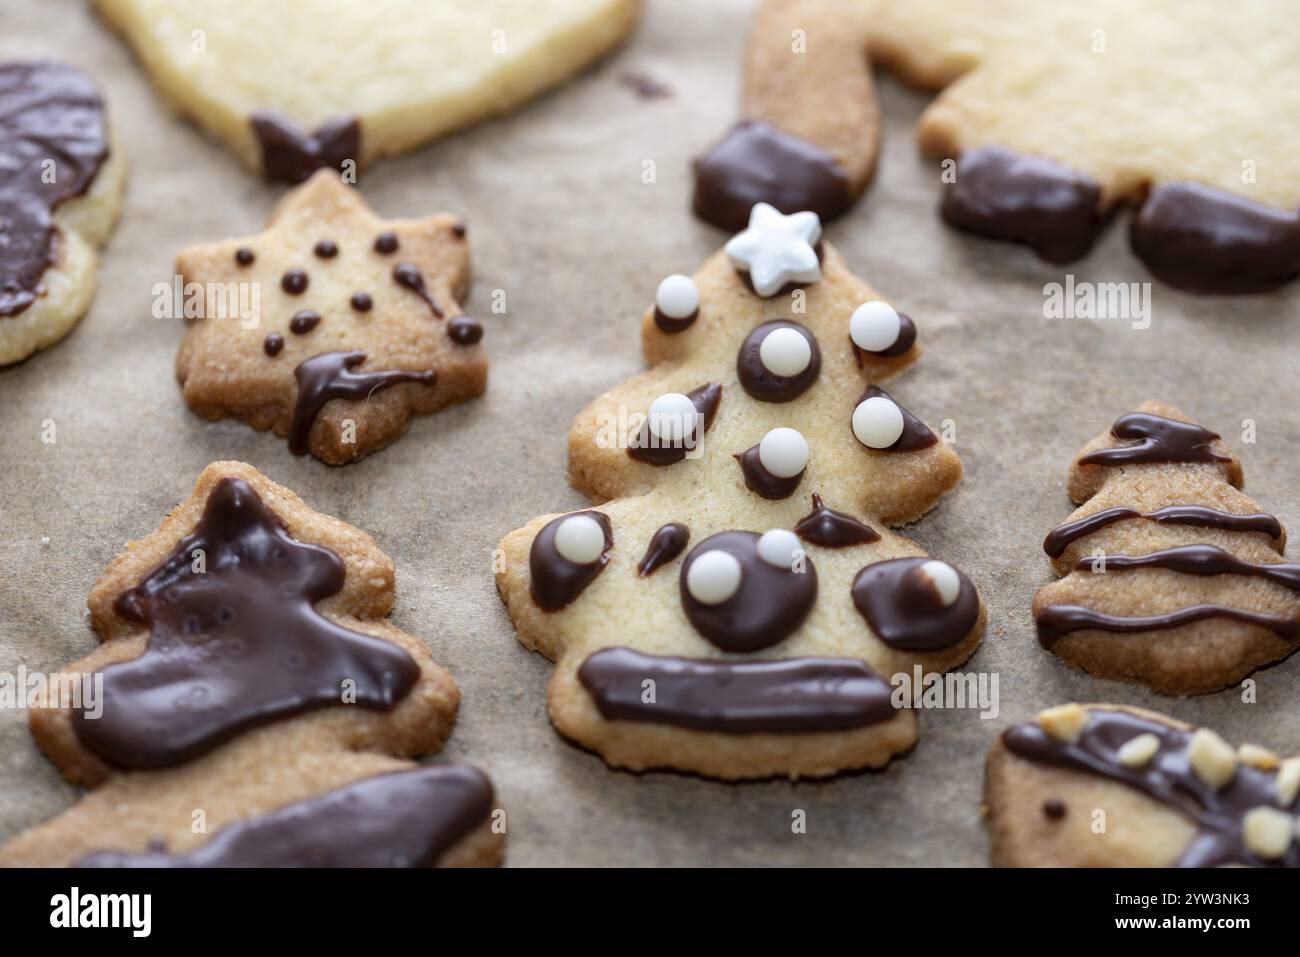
[[736, 605], [1171, 576], [251, 705]]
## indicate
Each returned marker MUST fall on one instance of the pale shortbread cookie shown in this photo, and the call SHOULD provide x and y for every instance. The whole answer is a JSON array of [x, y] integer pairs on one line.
[[329, 279], [57, 132], [1179, 797], [343, 80], [1190, 557], [270, 763], [713, 314]]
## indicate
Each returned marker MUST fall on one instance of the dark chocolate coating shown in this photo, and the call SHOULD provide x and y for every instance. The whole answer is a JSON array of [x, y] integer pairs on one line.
[[762, 482], [831, 529], [1168, 778], [237, 645], [326, 249], [400, 819], [916, 434], [757, 163], [1057, 621], [644, 447], [671, 325], [304, 321], [331, 376], [361, 301], [759, 381], [272, 344], [665, 545], [737, 697], [48, 112], [464, 330], [903, 608], [1156, 439], [1014, 196], [295, 282], [291, 154], [906, 339], [554, 580], [769, 606], [1060, 538]]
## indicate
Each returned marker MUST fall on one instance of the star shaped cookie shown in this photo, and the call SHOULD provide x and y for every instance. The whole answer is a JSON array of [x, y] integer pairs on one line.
[[333, 326]]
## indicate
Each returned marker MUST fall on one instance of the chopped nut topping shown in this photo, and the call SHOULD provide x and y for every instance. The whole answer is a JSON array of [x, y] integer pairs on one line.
[[1064, 723], [1288, 782], [1257, 757], [1212, 758], [1267, 832], [1138, 751]]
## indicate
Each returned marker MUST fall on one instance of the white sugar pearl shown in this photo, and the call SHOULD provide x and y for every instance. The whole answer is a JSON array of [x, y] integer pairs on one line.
[[874, 326], [779, 547], [713, 577], [783, 452], [672, 417], [784, 352], [580, 539], [945, 579], [877, 422], [677, 297]]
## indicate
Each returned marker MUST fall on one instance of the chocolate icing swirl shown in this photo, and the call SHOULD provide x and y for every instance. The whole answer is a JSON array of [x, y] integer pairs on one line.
[[769, 606], [765, 385], [1157, 439], [665, 545], [1057, 621], [556, 581], [831, 529], [762, 482], [903, 608], [291, 154], [330, 376], [645, 447], [1060, 538], [757, 163], [49, 112], [788, 695], [1201, 560], [400, 819], [236, 645], [1168, 778], [916, 434], [1014, 196]]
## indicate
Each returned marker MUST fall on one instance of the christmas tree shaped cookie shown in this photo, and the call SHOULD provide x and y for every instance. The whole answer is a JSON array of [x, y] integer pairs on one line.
[[737, 605], [1171, 575], [251, 705]]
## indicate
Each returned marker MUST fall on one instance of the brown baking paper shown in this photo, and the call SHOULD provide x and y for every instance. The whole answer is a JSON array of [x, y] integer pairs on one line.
[[564, 224]]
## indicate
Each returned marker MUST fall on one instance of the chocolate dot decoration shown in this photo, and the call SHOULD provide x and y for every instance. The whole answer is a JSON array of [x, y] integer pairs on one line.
[[556, 581], [386, 243], [361, 301], [762, 482], [304, 321], [906, 339], [244, 256], [272, 344], [326, 249], [769, 605], [464, 330], [645, 447], [665, 545], [1054, 809], [903, 608], [765, 385], [294, 282], [916, 434], [459, 230], [831, 529]]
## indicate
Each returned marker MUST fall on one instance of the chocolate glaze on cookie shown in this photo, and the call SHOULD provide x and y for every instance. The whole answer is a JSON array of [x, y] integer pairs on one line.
[[831, 529], [1210, 241], [916, 434], [51, 112], [1007, 195], [410, 277], [762, 383], [762, 482], [272, 344], [671, 324], [554, 580], [1157, 439], [757, 163], [400, 819], [464, 330], [904, 610], [235, 645], [304, 321], [645, 447], [1168, 778], [330, 376], [906, 339], [1200, 560], [769, 606], [665, 545], [1060, 538], [1057, 621], [737, 697], [291, 154]]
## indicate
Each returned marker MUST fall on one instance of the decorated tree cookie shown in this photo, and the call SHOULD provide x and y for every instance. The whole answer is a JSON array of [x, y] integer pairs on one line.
[[1051, 117], [255, 706], [355, 325], [1171, 575], [737, 605], [1164, 793]]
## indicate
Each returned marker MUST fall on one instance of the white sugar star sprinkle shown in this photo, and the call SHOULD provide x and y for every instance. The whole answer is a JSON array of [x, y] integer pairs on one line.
[[777, 249]]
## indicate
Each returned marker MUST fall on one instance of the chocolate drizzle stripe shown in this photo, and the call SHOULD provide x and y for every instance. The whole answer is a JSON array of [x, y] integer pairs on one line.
[[1200, 560], [1060, 538], [791, 695], [831, 529], [1168, 778], [235, 645], [331, 376], [291, 154], [1157, 439], [401, 819], [1057, 621], [665, 545]]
